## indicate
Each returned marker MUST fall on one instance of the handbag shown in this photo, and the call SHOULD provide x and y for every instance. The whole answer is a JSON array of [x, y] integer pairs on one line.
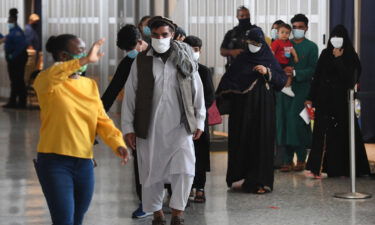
[[214, 116]]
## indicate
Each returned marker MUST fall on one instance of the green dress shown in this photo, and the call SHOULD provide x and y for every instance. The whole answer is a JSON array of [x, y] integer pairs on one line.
[[291, 129]]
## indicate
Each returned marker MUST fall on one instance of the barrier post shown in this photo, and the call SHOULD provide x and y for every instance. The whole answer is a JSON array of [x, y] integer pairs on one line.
[[353, 194]]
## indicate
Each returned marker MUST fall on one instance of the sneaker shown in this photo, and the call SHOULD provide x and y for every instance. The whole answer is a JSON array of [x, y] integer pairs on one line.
[[138, 213], [288, 91]]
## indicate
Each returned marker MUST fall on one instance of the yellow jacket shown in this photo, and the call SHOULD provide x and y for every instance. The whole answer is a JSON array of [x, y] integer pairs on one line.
[[72, 113]]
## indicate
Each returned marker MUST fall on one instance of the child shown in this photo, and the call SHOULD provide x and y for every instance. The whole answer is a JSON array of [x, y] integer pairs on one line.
[[283, 49]]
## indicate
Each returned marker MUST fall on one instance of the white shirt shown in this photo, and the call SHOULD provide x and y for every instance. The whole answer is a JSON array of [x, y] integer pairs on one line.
[[169, 148]]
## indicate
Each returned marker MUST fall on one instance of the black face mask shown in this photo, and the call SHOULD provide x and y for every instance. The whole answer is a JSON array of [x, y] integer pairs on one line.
[[244, 22]]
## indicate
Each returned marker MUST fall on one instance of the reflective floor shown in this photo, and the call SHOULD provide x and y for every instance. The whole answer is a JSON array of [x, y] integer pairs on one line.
[[296, 200]]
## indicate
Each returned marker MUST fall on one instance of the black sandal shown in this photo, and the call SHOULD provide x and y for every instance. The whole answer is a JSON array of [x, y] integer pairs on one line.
[[262, 191], [200, 198]]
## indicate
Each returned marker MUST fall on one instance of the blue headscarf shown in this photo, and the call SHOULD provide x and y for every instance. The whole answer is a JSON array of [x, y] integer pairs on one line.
[[240, 75]]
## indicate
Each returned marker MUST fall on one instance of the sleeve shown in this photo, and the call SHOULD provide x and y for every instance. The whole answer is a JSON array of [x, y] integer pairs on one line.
[[347, 72], [277, 78], [275, 46], [316, 79], [208, 87], [226, 41], [55, 75], [305, 75], [116, 85], [198, 96], [128, 102], [107, 129]]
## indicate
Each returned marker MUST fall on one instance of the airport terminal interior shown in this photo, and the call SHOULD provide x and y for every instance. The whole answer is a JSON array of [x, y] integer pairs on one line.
[[297, 197]]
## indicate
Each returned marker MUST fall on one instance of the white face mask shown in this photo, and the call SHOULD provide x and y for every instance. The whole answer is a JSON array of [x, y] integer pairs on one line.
[[254, 49], [298, 33], [337, 42], [274, 34], [196, 56], [161, 45]]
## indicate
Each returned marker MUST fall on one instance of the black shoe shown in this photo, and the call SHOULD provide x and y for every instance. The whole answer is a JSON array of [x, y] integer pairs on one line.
[[10, 105]]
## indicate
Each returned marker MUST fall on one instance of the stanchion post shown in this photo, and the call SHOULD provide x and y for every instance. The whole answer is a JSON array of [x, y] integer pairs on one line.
[[353, 194]]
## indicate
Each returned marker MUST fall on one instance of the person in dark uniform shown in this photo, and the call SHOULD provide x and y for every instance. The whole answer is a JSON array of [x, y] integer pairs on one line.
[[234, 43], [16, 57], [128, 39], [202, 145]]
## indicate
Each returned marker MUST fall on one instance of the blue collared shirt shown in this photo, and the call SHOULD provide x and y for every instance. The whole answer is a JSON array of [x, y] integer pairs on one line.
[[15, 43]]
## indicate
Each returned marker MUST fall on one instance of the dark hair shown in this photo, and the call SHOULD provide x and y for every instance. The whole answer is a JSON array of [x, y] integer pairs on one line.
[[143, 19], [278, 22], [285, 25], [57, 44], [242, 7], [127, 37], [300, 18], [193, 41], [13, 13], [158, 21], [179, 31]]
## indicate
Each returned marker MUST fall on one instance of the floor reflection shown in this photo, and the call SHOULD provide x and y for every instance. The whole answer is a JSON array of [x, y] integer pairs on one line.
[[295, 200]]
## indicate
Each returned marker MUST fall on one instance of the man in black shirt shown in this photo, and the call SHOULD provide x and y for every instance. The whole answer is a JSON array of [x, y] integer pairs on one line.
[[233, 43], [128, 39], [202, 145]]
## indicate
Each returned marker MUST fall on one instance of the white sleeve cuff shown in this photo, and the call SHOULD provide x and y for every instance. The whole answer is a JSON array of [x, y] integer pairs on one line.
[[127, 129], [200, 124], [294, 73]]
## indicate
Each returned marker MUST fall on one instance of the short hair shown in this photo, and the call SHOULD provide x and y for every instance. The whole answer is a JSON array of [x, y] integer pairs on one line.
[[278, 22], [300, 18], [13, 13], [158, 21], [179, 31], [193, 41], [286, 26], [143, 19], [127, 37], [57, 44], [242, 7]]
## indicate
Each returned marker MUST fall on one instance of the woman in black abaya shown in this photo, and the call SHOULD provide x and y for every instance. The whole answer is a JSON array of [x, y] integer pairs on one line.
[[249, 86], [337, 71]]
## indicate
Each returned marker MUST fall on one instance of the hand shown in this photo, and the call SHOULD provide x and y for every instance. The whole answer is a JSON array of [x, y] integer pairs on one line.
[[296, 60], [289, 81], [94, 53], [261, 69], [197, 134], [180, 37], [124, 154], [289, 71], [236, 52], [130, 140], [308, 103], [337, 52]]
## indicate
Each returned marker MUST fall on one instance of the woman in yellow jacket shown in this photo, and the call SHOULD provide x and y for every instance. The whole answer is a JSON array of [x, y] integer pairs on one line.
[[71, 115]]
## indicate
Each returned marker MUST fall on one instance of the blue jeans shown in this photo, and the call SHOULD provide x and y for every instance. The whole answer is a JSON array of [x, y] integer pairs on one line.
[[68, 186]]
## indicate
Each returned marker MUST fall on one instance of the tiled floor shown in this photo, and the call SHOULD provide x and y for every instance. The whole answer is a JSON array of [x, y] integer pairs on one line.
[[295, 200]]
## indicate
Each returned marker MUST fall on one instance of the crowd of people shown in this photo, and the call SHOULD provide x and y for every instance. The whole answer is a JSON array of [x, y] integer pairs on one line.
[[164, 117]]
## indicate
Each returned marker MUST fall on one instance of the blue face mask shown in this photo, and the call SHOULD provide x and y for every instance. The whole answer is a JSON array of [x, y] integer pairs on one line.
[[11, 25], [298, 34], [274, 34], [132, 54], [78, 56], [147, 31]]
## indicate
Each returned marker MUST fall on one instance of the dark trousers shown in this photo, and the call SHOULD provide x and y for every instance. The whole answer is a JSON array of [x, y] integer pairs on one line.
[[68, 186], [16, 71], [138, 186]]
